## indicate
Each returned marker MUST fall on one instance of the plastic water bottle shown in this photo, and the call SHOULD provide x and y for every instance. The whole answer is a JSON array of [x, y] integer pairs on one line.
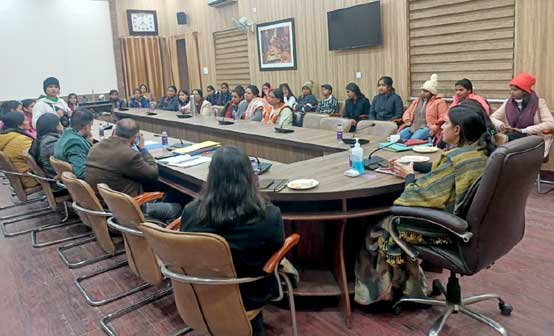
[[430, 141], [164, 139], [234, 115], [339, 132], [101, 132], [358, 158]]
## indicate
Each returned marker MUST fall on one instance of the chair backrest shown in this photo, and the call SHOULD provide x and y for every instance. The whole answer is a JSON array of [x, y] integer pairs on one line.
[[127, 213], [376, 127], [496, 216], [313, 120], [330, 124], [45, 185], [15, 180], [208, 309], [83, 195], [60, 166]]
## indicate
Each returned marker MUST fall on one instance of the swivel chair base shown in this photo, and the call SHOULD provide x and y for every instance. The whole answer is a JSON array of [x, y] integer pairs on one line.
[[455, 304]]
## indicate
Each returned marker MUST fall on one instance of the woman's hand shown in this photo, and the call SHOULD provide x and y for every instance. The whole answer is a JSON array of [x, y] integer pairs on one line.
[[511, 129], [401, 170]]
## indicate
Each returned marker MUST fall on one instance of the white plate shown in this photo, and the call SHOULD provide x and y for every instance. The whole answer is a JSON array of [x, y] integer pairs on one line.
[[413, 158], [425, 149], [303, 184]]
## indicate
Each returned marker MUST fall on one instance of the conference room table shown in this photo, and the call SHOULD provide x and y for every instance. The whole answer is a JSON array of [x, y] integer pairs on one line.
[[331, 218]]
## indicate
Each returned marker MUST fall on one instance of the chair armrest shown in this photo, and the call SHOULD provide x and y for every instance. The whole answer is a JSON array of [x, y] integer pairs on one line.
[[276, 258], [175, 225], [445, 220], [148, 197]]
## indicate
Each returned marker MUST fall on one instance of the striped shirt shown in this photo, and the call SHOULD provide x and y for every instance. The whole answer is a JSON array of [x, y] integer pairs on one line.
[[328, 106]]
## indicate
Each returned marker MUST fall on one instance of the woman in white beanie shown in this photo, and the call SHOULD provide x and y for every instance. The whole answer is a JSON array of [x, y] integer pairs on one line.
[[425, 115], [307, 102]]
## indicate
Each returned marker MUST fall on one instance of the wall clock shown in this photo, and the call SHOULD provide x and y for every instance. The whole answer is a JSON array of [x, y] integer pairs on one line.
[[142, 22]]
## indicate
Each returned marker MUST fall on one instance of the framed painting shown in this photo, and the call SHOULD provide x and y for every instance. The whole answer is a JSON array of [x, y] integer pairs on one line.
[[142, 22], [276, 45]]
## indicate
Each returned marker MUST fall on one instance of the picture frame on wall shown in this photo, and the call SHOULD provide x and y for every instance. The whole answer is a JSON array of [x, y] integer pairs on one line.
[[142, 22], [276, 45]]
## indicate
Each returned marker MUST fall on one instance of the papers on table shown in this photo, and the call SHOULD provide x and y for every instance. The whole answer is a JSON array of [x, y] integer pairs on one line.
[[198, 148], [184, 161]]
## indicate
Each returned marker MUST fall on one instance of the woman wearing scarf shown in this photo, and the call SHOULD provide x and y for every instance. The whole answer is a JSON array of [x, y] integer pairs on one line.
[[198, 104], [281, 113], [524, 112], [256, 105], [15, 143]]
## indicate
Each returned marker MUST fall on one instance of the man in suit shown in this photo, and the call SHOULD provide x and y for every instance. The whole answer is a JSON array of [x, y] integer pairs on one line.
[[126, 166]]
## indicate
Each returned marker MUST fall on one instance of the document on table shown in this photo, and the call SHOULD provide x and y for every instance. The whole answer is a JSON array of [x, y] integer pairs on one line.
[[184, 161]]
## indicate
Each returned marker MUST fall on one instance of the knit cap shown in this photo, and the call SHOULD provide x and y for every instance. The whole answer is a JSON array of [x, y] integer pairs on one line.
[[524, 81], [431, 84]]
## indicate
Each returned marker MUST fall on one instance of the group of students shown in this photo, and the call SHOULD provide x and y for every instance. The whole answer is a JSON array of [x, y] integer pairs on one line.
[[230, 203]]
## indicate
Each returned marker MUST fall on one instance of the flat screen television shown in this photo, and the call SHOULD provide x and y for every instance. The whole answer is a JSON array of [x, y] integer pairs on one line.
[[355, 27]]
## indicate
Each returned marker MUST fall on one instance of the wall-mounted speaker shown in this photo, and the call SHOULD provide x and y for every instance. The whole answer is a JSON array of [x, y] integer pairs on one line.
[[181, 18]]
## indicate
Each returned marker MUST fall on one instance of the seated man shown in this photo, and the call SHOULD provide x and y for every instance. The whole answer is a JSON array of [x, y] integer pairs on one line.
[[76, 141], [114, 161]]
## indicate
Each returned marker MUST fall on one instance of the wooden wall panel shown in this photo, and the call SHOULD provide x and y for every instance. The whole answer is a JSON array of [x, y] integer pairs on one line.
[[315, 62], [231, 58], [468, 39], [534, 45]]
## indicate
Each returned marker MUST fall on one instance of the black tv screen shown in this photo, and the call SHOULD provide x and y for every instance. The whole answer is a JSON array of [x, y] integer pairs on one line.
[[355, 27]]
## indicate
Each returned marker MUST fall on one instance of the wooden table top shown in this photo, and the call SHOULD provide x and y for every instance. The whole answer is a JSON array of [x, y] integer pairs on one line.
[[328, 169]]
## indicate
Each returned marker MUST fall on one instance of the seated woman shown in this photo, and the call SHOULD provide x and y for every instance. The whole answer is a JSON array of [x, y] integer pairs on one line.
[[236, 107], [27, 107], [256, 105], [356, 105], [212, 95], [524, 112], [425, 115], [231, 206], [464, 90], [114, 99], [183, 98], [224, 96], [289, 97], [49, 131], [306, 103], [145, 92], [280, 113], [266, 88], [170, 101], [386, 105], [72, 102], [383, 273], [138, 100], [15, 143], [198, 104]]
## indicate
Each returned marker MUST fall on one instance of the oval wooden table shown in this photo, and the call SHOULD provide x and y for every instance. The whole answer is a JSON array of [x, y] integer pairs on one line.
[[331, 218]]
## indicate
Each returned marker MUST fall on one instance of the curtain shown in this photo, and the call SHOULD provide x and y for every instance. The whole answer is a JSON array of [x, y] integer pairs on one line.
[[170, 62], [142, 64]]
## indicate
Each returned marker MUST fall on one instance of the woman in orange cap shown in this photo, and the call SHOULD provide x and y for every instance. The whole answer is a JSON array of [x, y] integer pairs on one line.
[[524, 112]]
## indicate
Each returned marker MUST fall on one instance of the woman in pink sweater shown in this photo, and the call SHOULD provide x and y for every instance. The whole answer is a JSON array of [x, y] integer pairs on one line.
[[464, 90]]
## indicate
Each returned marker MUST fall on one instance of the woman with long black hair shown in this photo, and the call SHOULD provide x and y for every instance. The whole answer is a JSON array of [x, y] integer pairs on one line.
[[231, 206], [386, 105], [356, 105]]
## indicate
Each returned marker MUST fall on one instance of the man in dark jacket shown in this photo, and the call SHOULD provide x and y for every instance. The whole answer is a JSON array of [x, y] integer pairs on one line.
[[76, 141], [115, 162]]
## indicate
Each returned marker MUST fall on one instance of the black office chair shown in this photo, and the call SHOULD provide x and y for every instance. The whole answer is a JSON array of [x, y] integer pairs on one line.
[[494, 212]]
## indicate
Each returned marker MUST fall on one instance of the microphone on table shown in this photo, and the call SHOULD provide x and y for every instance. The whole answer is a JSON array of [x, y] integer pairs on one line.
[[361, 128], [373, 161]]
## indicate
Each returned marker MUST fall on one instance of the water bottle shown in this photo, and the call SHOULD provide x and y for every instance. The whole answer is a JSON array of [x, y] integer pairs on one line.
[[430, 141], [339, 132], [358, 158], [164, 139], [101, 132], [234, 113]]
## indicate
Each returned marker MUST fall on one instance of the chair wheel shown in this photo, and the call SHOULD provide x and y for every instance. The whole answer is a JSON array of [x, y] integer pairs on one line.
[[437, 288], [505, 309], [397, 310]]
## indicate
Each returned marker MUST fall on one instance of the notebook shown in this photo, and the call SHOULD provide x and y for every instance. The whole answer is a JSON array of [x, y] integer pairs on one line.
[[198, 148], [394, 147]]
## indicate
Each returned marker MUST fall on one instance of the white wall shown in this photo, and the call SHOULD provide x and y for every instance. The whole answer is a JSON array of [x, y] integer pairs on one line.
[[67, 39]]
